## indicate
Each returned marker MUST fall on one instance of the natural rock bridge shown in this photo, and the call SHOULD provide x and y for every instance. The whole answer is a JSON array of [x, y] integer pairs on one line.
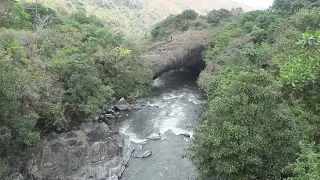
[[184, 50]]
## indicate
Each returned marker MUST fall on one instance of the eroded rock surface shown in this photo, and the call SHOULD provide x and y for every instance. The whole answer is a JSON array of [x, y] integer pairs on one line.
[[94, 152]]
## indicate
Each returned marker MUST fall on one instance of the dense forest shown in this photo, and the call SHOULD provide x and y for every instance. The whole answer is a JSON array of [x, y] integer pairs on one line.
[[261, 81]]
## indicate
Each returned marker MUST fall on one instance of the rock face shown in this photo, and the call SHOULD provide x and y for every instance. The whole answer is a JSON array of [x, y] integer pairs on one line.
[[183, 51], [94, 152]]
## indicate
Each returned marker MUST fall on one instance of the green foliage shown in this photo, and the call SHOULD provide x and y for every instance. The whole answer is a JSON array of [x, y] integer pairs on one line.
[[238, 133], [305, 68], [249, 131], [289, 7], [17, 119], [13, 15], [40, 14], [300, 72], [122, 52], [307, 165], [308, 19], [55, 77], [250, 20], [85, 91], [174, 24], [189, 14], [214, 17]]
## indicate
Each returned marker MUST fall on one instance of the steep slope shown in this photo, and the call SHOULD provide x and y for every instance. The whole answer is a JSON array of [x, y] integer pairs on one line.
[[135, 17]]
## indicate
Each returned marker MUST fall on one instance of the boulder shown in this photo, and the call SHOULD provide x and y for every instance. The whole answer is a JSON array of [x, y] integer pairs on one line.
[[110, 116], [137, 107], [139, 154], [185, 135], [17, 176], [93, 152], [122, 105], [155, 136]]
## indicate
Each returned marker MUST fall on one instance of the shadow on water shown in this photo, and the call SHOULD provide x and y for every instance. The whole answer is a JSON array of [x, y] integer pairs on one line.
[[174, 107]]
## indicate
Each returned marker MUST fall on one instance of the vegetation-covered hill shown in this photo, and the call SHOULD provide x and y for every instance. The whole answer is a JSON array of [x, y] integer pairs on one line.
[[136, 17]]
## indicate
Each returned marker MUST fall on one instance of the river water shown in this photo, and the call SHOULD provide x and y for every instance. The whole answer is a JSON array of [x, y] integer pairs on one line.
[[174, 107]]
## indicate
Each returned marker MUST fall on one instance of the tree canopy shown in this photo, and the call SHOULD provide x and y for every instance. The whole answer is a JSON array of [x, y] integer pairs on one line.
[[262, 80]]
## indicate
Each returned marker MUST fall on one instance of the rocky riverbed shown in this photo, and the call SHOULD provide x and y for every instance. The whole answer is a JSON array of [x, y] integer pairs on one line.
[[152, 138], [164, 129]]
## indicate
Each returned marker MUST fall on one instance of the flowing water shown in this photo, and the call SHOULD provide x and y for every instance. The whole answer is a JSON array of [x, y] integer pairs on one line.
[[174, 107]]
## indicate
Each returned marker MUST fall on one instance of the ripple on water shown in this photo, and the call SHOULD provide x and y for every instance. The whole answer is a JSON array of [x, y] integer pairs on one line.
[[133, 137]]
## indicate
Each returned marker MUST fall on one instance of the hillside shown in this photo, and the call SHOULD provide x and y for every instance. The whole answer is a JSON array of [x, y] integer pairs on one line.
[[135, 17]]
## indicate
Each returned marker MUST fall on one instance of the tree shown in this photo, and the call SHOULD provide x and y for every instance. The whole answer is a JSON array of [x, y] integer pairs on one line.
[[189, 14], [249, 132], [17, 119], [40, 15], [216, 16], [308, 19], [289, 7]]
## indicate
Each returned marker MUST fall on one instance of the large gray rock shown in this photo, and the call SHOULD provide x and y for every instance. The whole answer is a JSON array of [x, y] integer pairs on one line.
[[17, 176], [122, 105], [186, 135], [154, 136], [94, 152], [139, 154]]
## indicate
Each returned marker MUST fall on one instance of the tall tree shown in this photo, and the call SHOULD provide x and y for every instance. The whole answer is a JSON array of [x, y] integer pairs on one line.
[[249, 132]]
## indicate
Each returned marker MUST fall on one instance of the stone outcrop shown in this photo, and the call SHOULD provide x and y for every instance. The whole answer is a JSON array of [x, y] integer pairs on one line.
[[93, 152], [184, 50]]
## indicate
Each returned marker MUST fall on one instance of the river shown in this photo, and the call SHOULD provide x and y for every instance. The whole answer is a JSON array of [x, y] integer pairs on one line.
[[174, 107]]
